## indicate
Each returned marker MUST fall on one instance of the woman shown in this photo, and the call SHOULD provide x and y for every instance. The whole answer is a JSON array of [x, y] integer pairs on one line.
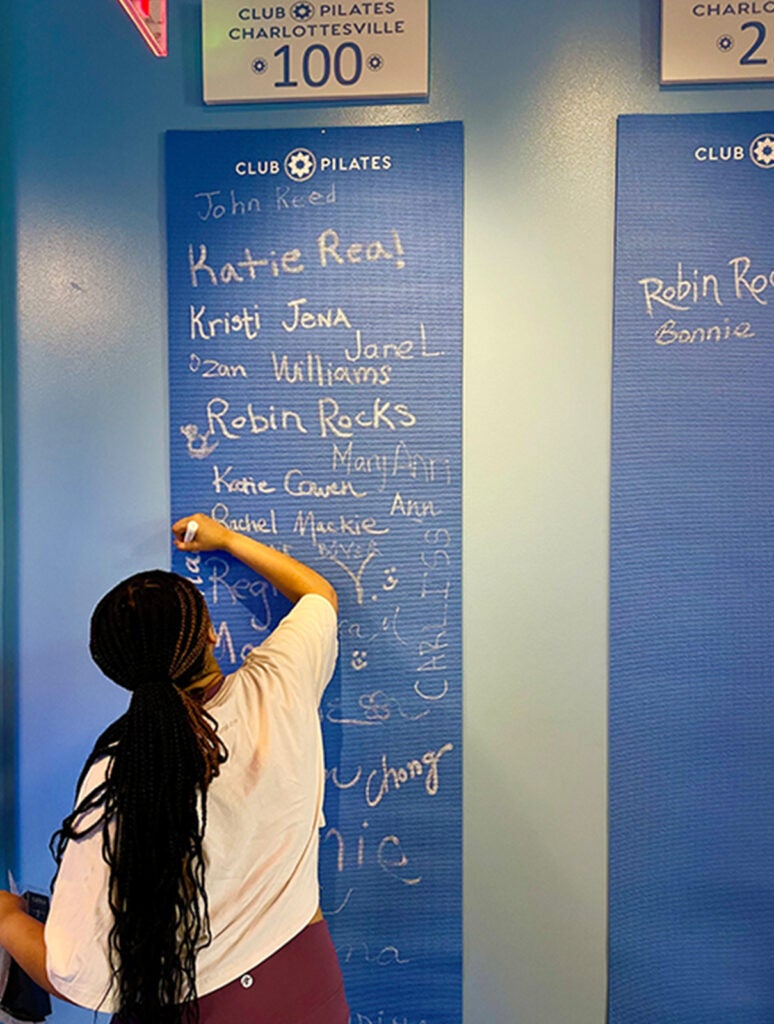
[[189, 864]]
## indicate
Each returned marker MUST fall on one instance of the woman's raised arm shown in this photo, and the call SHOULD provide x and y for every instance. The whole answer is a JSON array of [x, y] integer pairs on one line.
[[291, 577]]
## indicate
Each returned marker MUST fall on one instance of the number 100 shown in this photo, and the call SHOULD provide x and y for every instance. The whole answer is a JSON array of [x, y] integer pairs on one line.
[[317, 64]]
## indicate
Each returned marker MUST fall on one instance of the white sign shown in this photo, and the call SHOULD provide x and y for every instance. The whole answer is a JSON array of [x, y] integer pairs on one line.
[[717, 42], [299, 51]]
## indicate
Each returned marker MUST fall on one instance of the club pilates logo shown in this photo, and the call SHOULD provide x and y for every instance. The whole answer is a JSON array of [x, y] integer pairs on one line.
[[760, 152], [300, 164], [302, 12]]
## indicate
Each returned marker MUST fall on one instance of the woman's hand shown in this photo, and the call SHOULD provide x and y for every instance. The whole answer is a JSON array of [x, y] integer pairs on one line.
[[210, 536], [291, 578]]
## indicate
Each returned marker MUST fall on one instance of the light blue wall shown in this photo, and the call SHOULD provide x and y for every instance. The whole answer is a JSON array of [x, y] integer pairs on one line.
[[538, 86]]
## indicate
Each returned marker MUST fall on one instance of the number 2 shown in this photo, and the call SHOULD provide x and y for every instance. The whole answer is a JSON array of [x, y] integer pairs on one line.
[[748, 58]]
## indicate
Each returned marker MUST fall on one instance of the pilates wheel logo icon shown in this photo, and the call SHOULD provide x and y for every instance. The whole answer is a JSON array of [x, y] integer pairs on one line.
[[762, 150], [302, 11], [300, 164]]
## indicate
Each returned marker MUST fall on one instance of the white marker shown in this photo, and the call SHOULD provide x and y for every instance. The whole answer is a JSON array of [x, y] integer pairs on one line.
[[190, 531]]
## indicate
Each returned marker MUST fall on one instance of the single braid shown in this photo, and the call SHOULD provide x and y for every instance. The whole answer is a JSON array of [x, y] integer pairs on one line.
[[150, 634]]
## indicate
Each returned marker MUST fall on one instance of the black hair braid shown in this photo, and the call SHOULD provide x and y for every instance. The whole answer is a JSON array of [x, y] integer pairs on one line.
[[150, 635]]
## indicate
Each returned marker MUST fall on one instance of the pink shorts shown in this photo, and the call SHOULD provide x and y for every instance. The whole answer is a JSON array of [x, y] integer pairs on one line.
[[299, 984]]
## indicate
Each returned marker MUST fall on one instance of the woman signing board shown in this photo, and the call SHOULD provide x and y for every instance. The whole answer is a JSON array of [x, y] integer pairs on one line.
[[187, 872]]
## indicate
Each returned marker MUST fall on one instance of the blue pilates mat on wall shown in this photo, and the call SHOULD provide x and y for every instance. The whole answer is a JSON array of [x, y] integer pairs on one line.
[[315, 330], [692, 573]]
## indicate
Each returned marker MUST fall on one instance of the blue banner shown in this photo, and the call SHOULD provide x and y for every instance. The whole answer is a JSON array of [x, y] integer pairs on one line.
[[692, 573], [315, 297]]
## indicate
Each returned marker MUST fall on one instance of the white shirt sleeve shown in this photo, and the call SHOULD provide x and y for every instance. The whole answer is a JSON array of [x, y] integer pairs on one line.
[[304, 646]]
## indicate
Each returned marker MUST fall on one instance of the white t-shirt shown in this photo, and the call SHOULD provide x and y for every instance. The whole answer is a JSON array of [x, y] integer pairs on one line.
[[264, 812]]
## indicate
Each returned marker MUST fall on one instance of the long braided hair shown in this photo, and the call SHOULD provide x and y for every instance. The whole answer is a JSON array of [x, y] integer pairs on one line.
[[150, 635]]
